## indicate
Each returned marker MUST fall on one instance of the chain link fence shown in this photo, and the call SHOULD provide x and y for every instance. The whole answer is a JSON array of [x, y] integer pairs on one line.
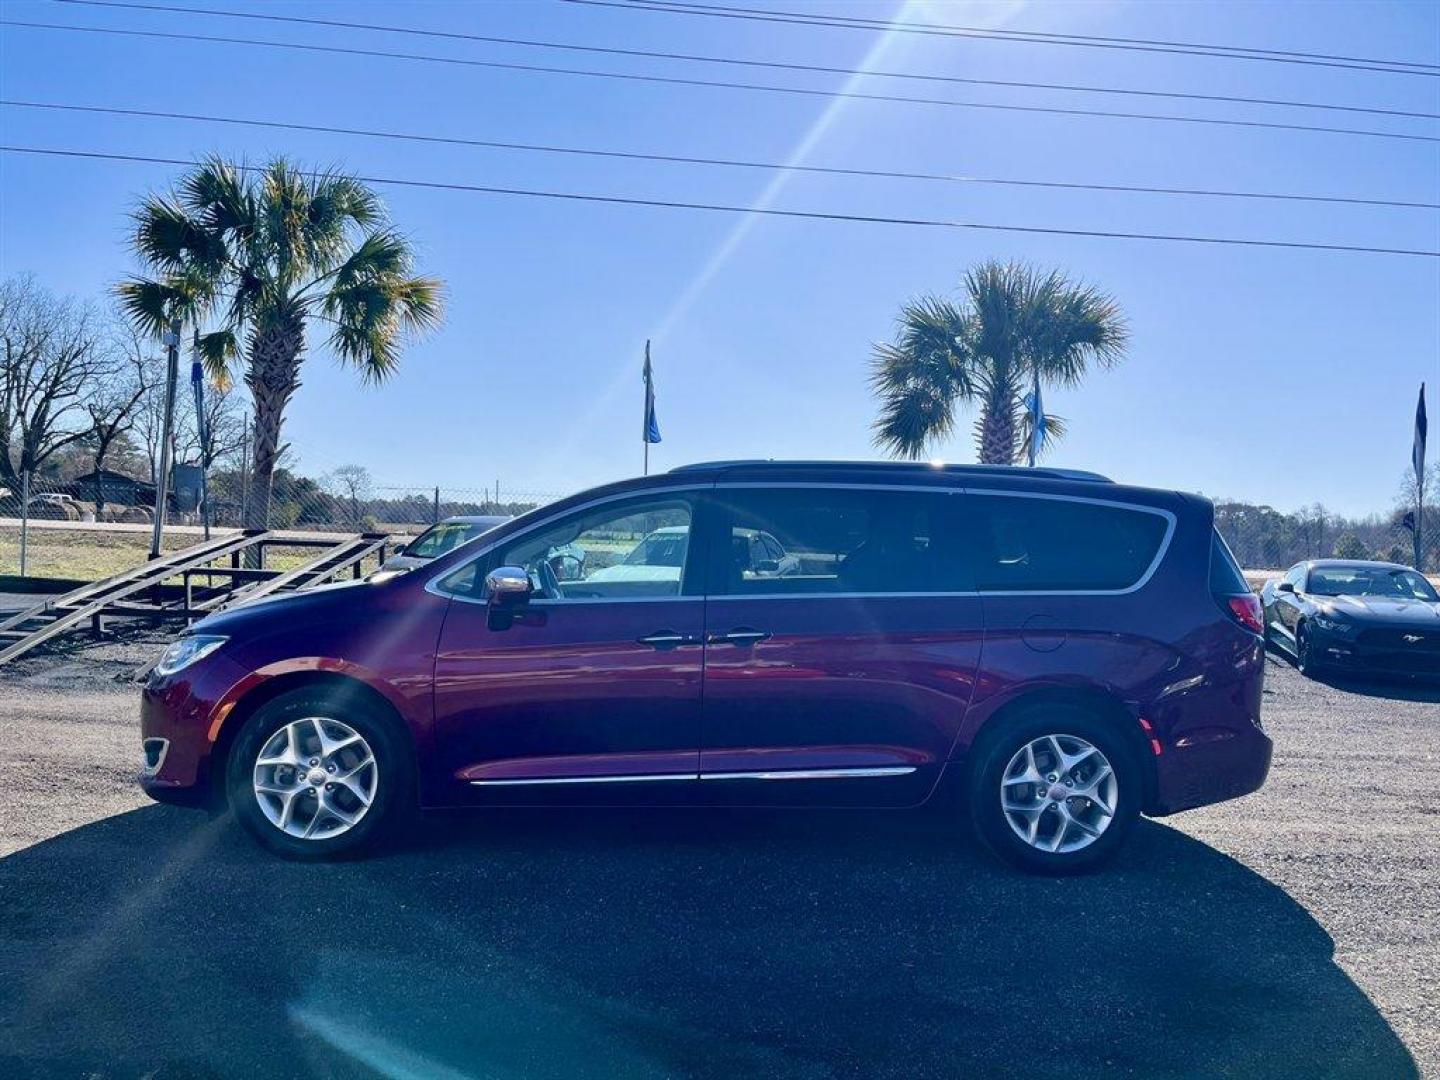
[[100, 523], [91, 527]]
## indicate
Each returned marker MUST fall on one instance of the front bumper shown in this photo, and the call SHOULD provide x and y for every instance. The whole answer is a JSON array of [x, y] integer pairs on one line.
[[181, 711], [1379, 652]]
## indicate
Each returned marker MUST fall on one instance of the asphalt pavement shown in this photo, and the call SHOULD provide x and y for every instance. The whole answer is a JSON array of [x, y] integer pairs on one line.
[[1292, 933]]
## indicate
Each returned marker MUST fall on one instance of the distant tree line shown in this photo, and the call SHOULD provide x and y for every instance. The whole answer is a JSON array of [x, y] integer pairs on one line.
[[1265, 538]]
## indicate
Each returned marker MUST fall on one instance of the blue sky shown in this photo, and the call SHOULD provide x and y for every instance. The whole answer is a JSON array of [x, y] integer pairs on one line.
[[1278, 376]]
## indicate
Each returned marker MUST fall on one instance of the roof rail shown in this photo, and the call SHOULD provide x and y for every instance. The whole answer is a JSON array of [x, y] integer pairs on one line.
[[1039, 473]]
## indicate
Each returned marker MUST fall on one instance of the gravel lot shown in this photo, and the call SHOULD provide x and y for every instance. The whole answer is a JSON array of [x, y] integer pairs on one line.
[[1293, 933]]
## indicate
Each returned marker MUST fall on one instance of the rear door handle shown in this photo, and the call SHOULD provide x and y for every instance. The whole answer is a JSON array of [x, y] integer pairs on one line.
[[668, 639], [741, 636]]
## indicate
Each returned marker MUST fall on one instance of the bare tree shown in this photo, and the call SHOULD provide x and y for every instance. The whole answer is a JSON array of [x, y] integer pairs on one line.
[[1312, 522], [353, 484], [1417, 513], [51, 352], [114, 404], [225, 411]]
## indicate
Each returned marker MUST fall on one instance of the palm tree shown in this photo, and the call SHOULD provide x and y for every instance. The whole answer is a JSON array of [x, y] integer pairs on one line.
[[257, 255], [1015, 329]]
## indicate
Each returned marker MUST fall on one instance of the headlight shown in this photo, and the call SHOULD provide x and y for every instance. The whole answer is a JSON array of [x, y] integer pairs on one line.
[[1333, 625], [183, 652]]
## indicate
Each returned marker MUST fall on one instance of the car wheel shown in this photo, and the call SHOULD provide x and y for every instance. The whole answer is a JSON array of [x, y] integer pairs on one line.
[[1305, 661], [1056, 791], [316, 773]]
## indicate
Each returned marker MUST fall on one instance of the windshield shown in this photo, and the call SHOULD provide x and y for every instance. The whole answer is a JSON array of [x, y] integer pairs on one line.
[[659, 549], [441, 538], [1370, 581]]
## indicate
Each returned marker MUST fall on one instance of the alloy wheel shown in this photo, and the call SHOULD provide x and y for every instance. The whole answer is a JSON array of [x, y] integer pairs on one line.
[[315, 778], [1059, 793]]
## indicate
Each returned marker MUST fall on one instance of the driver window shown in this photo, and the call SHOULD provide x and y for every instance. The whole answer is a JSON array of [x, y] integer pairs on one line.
[[621, 551]]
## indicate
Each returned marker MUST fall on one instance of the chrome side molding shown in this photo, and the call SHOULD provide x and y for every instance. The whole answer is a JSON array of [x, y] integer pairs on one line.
[[860, 773]]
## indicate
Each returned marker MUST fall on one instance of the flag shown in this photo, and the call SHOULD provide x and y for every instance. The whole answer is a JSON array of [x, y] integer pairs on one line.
[[1037, 422], [652, 426], [1417, 455]]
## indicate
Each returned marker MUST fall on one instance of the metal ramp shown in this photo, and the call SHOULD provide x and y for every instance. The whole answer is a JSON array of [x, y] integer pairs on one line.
[[348, 555], [142, 592]]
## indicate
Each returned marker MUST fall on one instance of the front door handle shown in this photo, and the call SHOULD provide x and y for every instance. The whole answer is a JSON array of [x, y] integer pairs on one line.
[[742, 636], [667, 639]]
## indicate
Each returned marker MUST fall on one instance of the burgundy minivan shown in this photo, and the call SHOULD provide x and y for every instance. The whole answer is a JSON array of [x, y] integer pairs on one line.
[[1064, 651]]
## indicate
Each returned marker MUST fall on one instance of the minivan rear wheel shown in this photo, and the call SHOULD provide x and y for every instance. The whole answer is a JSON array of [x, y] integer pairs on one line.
[[1055, 790], [317, 773]]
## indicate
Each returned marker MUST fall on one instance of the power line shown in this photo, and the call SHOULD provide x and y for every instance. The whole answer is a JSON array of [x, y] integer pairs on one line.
[[1396, 67], [813, 215], [749, 63], [739, 163], [671, 80], [1047, 35]]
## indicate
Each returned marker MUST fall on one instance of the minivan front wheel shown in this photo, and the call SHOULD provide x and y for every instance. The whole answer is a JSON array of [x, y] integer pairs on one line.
[[1056, 792], [315, 774]]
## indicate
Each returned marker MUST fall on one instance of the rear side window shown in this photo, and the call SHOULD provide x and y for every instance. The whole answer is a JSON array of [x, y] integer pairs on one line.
[[837, 540], [1038, 544], [1226, 578]]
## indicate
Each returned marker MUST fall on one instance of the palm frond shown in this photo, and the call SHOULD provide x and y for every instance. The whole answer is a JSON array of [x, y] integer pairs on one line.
[[219, 193], [147, 304], [217, 350], [169, 239], [1055, 429], [920, 377], [1072, 327]]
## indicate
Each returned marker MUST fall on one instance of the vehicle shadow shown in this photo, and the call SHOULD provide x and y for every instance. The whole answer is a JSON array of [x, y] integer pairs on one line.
[[694, 943], [1396, 688]]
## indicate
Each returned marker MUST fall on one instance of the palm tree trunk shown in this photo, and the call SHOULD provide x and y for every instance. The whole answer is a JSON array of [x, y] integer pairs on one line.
[[273, 376], [997, 429]]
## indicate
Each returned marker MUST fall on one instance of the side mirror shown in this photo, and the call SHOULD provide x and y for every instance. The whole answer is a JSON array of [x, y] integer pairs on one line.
[[508, 586], [1285, 586], [508, 589]]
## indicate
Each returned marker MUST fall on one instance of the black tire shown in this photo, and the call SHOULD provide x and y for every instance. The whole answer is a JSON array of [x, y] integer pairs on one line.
[[393, 797], [993, 753], [1305, 661]]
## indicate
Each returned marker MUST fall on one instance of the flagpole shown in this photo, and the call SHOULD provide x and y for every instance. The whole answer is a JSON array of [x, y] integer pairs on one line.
[[1035, 415], [645, 419], [1418, 461]]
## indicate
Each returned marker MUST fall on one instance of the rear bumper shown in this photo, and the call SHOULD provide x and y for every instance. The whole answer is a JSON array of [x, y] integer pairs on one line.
[[1224, 763]]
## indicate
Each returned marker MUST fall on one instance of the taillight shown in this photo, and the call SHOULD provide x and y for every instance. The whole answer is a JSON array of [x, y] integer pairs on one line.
[[1246, 610]]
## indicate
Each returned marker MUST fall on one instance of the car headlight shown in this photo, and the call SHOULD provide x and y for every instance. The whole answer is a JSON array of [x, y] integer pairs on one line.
[[1333, 625], [182, 652]]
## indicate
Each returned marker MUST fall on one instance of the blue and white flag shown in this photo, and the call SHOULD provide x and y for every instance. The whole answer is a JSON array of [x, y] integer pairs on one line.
[[1417, 455], [652, 426], [1037, 422]]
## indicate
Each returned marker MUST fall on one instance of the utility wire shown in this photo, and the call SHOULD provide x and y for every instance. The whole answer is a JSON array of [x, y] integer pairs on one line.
[[738, 163], [670, 80], [813, 215], [1398, 67], [1050, 34], [748, 63]]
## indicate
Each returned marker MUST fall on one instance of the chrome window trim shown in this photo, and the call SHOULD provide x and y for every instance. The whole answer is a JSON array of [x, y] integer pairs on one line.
[[856, 773], [432, 585]]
